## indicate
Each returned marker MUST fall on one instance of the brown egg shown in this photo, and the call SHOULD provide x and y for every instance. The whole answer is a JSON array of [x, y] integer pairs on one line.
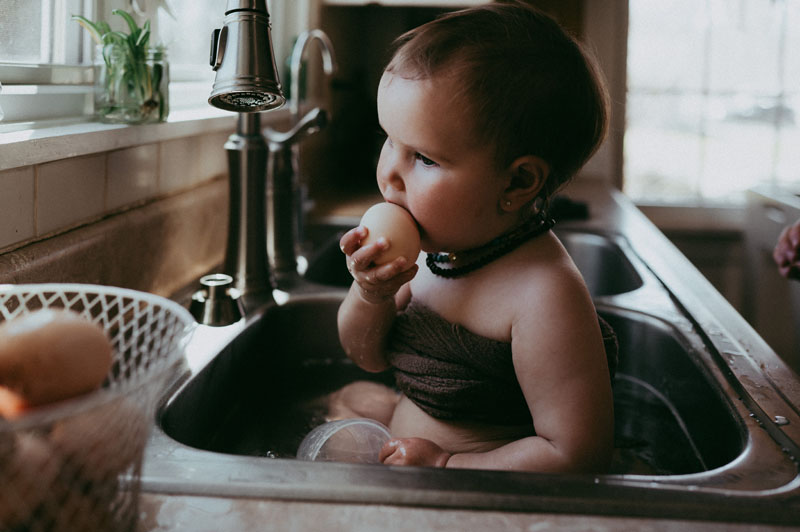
[[50, 355], [398, 227]]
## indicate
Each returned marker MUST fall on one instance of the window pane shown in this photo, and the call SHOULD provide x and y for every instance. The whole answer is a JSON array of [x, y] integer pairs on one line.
[[22, 29], [188, 36], [739, 146], [791, 48], [744, 46], [663, 43], [788, 166], [663, 146]]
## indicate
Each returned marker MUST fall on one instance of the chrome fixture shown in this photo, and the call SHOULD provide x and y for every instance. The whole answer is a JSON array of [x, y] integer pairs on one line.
[[217, 303], [246, 82], [328, 65], [265, 202], [283, 208], [287, 192], [242, 56]]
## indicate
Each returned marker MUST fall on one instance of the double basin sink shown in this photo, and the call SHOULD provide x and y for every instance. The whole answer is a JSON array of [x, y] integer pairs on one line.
[[689, 440]]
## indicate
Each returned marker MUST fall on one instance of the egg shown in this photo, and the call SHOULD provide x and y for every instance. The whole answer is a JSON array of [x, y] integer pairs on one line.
[[49, 355], [12, 405], [398, 227]]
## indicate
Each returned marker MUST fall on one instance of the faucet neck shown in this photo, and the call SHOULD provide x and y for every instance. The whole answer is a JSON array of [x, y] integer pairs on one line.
[[246, 253]]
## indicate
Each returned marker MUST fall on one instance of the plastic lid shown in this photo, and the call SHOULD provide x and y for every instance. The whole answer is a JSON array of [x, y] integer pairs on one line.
[[357, 440]]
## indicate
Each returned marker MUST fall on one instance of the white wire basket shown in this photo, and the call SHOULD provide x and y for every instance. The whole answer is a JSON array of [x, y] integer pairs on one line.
[[75, 464]]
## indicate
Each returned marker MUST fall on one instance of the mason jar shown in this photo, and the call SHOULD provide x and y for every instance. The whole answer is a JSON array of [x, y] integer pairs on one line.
[[129, 89]]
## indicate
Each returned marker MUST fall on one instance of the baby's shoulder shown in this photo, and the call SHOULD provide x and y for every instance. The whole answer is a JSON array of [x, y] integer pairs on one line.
[[544, 261]]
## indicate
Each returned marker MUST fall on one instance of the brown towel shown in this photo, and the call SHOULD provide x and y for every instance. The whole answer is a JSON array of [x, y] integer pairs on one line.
[[454, 374]]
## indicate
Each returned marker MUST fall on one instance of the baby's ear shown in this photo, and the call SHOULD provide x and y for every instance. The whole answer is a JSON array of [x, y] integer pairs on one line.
[[527, 177]]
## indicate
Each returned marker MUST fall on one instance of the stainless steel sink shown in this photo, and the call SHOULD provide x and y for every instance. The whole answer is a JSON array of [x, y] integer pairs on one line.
[[692, 437], [600, 258], [266, 390]]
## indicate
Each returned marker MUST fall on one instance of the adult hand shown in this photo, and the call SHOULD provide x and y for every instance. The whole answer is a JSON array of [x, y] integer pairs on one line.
[[413, 451], [787, 252]]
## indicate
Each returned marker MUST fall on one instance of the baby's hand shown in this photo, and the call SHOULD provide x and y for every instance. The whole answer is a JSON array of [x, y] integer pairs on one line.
[[413, 451], [376, 283], [787, 252]]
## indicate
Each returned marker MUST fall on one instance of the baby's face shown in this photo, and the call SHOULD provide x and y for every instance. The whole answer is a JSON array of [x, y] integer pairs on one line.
[[433, 165]]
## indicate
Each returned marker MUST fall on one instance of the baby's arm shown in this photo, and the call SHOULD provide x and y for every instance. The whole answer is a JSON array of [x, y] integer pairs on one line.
[[560, 363], [367, 313]]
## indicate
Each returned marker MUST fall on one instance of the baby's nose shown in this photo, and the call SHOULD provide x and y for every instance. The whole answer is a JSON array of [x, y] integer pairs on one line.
[[389, 175]]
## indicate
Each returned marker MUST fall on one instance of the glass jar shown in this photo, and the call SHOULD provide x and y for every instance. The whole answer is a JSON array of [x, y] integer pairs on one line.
[[130, 89]]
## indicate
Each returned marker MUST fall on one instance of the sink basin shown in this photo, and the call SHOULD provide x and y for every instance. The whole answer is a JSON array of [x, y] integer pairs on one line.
[[265, 391], [600, 258]]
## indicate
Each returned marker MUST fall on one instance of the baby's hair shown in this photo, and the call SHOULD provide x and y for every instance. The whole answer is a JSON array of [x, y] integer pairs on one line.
[[531, 87]]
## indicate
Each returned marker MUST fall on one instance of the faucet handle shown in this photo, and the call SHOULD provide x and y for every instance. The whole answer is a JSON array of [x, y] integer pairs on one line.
[[313, 121], [217, 303]]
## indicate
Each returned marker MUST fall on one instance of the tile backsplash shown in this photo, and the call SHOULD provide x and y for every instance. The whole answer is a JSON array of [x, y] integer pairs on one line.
[[17, 205], [45, 199]]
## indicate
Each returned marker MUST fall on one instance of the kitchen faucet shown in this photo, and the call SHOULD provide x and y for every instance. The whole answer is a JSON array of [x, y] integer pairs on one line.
[[286, 193], [262, 237]]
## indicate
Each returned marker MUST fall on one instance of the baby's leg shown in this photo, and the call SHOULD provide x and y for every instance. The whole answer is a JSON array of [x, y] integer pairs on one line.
[[363, 399]]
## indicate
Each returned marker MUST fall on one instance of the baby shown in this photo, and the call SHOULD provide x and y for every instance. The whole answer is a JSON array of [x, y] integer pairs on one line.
[[496, 346]]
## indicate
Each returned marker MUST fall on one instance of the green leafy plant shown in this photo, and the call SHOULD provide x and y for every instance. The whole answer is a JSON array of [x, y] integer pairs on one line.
[[134, 80]]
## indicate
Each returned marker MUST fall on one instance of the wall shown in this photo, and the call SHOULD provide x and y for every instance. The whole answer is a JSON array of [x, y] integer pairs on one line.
[[43, 200], [142, 207]]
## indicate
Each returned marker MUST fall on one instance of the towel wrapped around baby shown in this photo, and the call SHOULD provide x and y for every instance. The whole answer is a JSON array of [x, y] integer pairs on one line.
[[453, 374]]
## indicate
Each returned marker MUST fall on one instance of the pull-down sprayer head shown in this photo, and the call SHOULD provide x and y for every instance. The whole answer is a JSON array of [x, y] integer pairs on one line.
[[241, 54]]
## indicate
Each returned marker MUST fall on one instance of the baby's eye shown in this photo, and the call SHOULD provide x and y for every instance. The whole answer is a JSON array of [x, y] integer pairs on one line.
[[424, 160]]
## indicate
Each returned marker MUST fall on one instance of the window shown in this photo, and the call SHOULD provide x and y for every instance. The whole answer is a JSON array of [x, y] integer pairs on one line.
[[46, 58], [39, 31], [713, 102]]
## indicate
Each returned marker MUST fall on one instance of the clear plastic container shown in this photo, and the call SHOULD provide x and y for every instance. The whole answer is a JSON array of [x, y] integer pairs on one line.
[[357, 440]]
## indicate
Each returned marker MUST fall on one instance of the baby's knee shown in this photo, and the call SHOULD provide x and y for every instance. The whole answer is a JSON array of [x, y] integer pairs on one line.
[[363, 399]]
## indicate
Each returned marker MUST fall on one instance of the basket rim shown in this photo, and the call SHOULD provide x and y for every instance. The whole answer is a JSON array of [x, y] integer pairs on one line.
[[75, 405], [184, 314]]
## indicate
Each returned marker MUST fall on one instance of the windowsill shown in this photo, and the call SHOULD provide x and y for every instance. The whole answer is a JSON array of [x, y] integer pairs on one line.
[[42, 142]]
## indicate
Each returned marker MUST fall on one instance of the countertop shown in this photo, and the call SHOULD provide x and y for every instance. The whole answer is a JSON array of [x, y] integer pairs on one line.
[[205, 514]]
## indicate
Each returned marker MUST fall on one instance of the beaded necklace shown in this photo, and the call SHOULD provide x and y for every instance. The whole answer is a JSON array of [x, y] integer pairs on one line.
[[486, 253]]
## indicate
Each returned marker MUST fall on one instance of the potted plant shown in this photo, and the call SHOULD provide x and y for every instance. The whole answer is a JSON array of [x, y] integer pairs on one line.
[[131, 77]]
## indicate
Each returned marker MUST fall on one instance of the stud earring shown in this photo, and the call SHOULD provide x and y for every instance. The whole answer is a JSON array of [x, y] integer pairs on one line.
[[538, 205]]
